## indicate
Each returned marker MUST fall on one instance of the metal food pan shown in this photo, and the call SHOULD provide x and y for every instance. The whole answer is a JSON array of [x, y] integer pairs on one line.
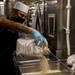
[[30, 67]]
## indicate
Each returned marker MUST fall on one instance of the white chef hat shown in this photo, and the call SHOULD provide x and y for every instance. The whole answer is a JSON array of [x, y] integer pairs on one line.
[[22, 7]]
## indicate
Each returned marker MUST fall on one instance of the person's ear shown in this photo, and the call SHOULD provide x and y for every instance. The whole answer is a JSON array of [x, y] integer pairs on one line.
[[15, 12]]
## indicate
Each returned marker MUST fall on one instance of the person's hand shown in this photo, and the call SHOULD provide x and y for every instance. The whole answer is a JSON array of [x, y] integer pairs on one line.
[[39, 39]]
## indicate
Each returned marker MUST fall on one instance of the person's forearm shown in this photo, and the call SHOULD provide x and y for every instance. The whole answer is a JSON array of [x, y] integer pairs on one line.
[[15, 26]]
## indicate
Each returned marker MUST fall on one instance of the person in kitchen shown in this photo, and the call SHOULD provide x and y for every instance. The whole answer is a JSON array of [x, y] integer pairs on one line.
[[9, 28]]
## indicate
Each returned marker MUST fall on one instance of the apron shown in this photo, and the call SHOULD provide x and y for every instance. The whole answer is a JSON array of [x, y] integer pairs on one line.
[[7, 46]]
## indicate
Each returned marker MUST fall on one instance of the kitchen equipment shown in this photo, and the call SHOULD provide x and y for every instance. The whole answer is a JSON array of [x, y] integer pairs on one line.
[[31, 66]]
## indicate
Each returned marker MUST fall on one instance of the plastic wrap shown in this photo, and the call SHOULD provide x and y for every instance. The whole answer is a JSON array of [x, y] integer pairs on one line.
[[27, 47], [71, 61]]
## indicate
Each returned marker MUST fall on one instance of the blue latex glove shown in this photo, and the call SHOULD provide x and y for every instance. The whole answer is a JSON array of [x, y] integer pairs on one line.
[[38, 38]]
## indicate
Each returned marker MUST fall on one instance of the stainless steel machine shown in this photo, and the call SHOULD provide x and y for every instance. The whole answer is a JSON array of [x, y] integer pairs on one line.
[[53, 25]]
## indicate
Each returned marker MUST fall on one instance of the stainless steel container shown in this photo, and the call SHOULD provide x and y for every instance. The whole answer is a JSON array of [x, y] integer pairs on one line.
[[8, 5], [29, 67]]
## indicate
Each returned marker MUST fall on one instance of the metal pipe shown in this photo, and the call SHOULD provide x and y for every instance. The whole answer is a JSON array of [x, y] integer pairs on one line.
[[44, 18], [68, 7]]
